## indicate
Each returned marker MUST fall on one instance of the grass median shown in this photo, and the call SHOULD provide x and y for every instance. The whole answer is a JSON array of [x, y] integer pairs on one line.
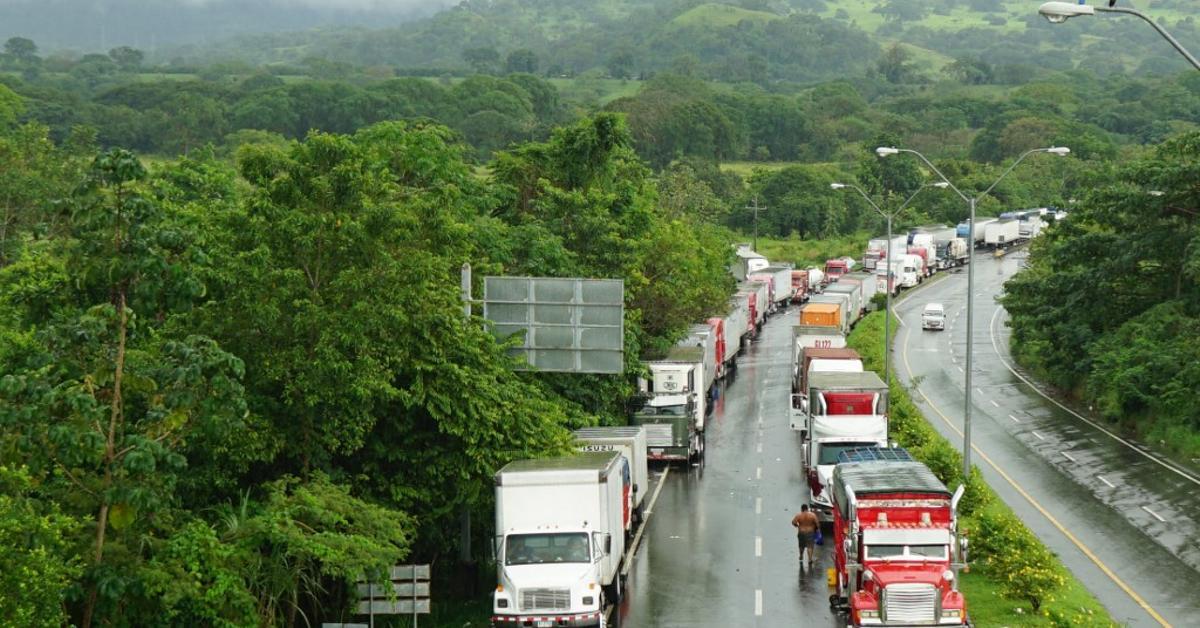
[[1014, 580]]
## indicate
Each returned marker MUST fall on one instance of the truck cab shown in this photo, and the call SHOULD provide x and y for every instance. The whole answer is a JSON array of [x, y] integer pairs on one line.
[[898, 550], [675, 408], [559, 542], [835, 268]]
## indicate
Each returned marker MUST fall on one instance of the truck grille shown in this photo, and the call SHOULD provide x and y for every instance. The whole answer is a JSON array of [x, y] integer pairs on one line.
[[545, 599], [909, 603], [658, 435]]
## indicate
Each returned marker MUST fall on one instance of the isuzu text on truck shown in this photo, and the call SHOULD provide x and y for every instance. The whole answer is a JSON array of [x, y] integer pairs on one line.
[[898, 550], [560, 539]]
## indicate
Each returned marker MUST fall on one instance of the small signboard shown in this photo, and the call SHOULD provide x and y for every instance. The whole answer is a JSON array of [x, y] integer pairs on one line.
[[407, 593], [566, 325]]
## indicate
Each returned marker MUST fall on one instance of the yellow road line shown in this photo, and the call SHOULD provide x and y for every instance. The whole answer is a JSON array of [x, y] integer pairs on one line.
[[1033, 502]]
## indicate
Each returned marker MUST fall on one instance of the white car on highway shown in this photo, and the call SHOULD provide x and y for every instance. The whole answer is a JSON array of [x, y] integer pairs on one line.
[[933, 317]]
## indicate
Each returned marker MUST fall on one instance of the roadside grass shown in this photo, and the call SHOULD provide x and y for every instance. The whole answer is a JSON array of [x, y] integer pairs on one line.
[[746, 168], [1069, 604], [803, 253]]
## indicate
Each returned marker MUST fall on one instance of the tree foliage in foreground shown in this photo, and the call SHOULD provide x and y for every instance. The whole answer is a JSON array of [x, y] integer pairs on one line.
[[1110, 303], [229, 393]]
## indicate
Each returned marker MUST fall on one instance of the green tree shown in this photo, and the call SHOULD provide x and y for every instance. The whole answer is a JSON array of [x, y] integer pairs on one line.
[[521, 60], [130, 59], [22, 49], [620, 64], [482, 60]]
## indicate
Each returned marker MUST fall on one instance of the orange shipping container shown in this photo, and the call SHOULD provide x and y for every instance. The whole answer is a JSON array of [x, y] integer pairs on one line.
[[826, 314]]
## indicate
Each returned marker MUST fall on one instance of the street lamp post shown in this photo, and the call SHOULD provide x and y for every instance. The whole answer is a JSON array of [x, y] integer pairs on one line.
[[887, 318], [1059, 12], [885, 151]]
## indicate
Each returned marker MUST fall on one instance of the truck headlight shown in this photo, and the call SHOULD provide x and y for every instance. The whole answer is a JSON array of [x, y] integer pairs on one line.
[[502, 603], [951, 613], [868, 614], [589, 600]]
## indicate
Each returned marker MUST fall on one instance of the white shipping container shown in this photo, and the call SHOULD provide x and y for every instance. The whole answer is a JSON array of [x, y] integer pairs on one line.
[[629, 442]]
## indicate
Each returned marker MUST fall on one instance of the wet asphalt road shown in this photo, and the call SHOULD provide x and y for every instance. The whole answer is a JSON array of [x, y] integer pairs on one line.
[[719, 549], [1124, 521]]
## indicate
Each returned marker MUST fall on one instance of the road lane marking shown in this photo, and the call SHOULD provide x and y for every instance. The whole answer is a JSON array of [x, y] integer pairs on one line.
[[979, 390], [993, 402], [1101, 478], [960, 370], [760, 448], [1135, 447], [1015, 419], [758, 602], [637, 538], [1040, 437], [758, 547], [758, 473], [758, 505], [1154, 514], [1068, 456], [1038, 506]]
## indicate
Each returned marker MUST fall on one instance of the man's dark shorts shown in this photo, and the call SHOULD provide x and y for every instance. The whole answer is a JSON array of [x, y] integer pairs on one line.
[[806, 539]]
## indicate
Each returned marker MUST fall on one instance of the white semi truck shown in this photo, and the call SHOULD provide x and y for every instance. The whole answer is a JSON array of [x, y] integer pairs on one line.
[[559, 539]]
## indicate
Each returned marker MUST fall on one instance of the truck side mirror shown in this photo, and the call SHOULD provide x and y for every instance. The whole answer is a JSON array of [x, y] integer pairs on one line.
[[607, 544]]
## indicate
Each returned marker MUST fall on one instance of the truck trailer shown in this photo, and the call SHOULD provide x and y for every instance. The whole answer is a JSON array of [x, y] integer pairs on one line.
[[630, 442], [1002, 233], [779, 282], [559, 542]]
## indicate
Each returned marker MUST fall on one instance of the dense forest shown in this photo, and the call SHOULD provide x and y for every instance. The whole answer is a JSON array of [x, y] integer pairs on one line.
[[1110, 305], [234, 369]]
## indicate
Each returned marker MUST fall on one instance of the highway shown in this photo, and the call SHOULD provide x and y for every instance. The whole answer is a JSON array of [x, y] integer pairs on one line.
[[719, 549], [1121, 518]]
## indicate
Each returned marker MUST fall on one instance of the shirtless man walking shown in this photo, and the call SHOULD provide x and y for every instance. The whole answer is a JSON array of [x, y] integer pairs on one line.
[[806, 524]]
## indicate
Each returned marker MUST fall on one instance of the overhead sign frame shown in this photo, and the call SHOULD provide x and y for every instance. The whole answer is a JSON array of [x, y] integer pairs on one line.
[[570, 325]]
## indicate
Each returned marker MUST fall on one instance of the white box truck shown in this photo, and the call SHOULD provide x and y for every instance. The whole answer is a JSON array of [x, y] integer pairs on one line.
[[629, 441], [1002, 233], [559, 539]]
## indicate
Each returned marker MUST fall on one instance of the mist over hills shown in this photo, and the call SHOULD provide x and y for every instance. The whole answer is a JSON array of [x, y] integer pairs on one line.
[[151, 25]]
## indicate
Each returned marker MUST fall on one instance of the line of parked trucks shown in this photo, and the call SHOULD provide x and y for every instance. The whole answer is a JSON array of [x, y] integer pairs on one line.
[[896, 543], [927, 249], [897, 547], [561, 566]]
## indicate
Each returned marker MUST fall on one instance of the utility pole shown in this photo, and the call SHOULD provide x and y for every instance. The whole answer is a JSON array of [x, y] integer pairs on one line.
[[756, 209]]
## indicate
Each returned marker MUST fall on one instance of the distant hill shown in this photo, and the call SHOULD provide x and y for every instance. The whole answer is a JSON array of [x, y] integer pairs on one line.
[[99, 25], [736, 41]]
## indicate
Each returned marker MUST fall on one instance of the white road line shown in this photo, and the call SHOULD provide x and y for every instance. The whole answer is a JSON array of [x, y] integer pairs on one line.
[[1015, 419], [1068, 456], [637, 538], [760, 448], [758, 602], [993, 401], [1101, 478], [1154, 514], [758, 547], [953, 360], [960, 370], [1155, 459], [758, 505], [979, 390], [758, 473], [1040, 437]]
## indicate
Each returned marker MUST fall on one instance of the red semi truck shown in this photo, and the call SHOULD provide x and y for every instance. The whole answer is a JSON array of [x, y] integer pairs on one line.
[[898, 549]]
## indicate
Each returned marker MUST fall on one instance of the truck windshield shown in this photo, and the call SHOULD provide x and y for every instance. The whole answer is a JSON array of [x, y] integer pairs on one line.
[[906, 552], [531, 549], [829, 451]]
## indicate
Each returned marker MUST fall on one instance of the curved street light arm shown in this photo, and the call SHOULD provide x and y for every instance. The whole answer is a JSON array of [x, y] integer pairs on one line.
[[1006, 172], [936, 171], [867, 197], [1161, 31]]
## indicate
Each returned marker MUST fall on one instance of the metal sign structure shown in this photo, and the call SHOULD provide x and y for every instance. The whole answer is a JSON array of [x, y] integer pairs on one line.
[[567, 325], [407, 593]]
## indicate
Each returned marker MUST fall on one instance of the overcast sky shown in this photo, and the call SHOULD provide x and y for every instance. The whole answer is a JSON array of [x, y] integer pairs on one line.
[[97, 25]]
